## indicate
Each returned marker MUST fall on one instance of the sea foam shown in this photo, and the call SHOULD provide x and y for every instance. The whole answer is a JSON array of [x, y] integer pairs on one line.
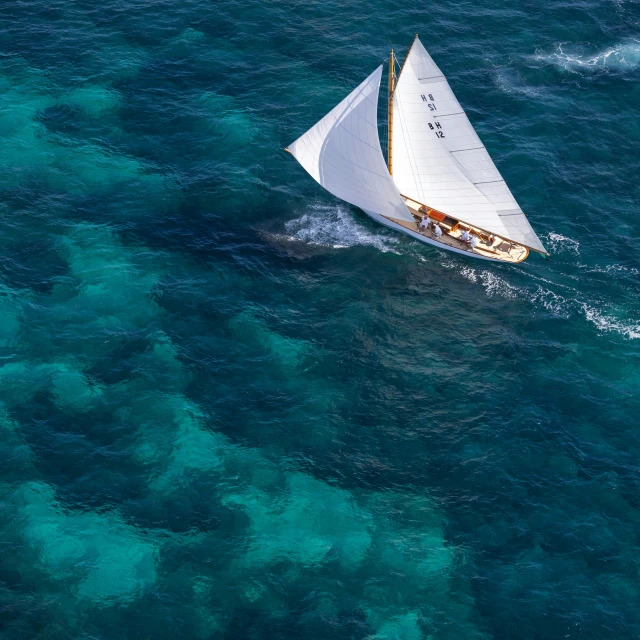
[[336, 227], [619, 58], [543, 293]]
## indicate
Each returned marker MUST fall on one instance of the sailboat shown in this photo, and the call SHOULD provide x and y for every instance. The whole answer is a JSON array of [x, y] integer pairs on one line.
[[439, 185]]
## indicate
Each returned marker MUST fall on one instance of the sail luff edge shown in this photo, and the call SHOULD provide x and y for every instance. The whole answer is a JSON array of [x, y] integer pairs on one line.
[[406, 58]]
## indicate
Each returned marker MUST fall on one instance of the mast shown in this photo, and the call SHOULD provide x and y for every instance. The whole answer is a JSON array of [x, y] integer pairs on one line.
[[393, 79], [392, 75]]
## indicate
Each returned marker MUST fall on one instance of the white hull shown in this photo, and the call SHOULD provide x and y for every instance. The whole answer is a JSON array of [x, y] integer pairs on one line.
[[418, 236]]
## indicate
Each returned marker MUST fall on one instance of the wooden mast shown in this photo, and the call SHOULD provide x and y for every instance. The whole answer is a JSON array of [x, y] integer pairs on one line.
[[392, 87], [392, 75]]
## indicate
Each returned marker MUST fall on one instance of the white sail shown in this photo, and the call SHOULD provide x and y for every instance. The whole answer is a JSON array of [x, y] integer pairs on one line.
[[439, 160], [342, 152]]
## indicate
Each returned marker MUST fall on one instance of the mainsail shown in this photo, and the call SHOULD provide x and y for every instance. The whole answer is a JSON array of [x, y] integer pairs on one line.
[[439, 160], [342, 152]]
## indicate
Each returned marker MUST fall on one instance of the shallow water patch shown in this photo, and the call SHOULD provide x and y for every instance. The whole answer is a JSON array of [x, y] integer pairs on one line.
[[107, 559], [311, 522], [288, 352]]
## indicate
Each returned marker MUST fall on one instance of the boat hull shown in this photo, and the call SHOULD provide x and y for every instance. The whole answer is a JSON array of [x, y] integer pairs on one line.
[[418, 236]]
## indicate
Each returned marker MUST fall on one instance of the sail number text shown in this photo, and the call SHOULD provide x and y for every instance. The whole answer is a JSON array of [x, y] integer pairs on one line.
[[432, 107]]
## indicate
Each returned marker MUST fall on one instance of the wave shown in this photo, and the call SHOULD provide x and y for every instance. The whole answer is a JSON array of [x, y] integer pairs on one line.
[[610, 268], [562, 306], [336, 227], [606, 323], [561, 244], [510, 82], [621, 57]]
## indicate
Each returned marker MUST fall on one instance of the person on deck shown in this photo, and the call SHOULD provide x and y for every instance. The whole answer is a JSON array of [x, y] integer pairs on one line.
[[465, 237], [473, 242], [424, 223], [437, 231]]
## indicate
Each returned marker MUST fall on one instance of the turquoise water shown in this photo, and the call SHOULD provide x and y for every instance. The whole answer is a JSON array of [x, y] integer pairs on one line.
[[234, 407]]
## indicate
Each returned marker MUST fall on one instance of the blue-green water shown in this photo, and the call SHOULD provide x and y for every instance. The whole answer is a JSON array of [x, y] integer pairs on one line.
[[233, 407]]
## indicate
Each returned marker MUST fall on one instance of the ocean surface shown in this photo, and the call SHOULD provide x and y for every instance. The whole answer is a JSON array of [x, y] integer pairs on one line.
[[234, 407]]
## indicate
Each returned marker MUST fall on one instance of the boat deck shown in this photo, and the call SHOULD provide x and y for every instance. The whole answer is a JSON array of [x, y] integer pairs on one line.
[[452, 230]]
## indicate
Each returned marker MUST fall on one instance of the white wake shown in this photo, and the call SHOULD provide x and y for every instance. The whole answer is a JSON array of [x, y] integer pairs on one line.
[[564, 304], [620, 57], [336, 227]]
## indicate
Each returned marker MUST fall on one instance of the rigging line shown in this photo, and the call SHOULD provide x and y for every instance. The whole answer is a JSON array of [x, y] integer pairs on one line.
[[396, 76]]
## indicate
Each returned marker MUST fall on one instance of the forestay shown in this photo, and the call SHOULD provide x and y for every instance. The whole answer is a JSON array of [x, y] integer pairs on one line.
[[342, 152], [439, 160]]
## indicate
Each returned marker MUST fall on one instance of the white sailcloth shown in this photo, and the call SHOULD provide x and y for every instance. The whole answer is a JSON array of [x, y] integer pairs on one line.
[[439, 160], [342, 152]]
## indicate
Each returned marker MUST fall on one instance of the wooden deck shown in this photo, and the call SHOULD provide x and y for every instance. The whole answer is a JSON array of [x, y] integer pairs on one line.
[[488, 246]]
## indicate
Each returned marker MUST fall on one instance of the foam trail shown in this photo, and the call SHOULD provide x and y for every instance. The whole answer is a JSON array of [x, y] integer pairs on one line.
[[558, 243], [610, 268], [336, 227], [563, 306], [606, 323], [621, 57]]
